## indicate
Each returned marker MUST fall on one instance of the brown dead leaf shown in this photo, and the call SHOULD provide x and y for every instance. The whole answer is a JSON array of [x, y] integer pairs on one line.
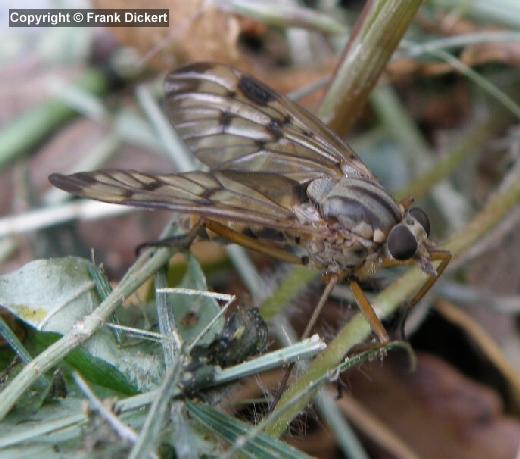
[[201, 32], [507, 53], [485, 343], [287, 80], [198, 31], [63, 151], [436, 410], [373, 428], [485, 53], [471, 56], [446, 24]]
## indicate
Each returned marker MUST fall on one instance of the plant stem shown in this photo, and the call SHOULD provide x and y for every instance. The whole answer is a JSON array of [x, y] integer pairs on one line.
[[288, 290], [374, 39]]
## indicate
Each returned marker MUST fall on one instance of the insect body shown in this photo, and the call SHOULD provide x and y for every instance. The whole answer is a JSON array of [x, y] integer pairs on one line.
[[279, 179]]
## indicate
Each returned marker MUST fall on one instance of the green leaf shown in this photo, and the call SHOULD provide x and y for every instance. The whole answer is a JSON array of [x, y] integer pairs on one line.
[[96, 370], [228, 428], [53, 295], [49, 295]]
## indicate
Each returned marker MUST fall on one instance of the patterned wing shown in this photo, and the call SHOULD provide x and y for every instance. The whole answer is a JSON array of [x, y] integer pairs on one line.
[[254, 198], [230, 120]]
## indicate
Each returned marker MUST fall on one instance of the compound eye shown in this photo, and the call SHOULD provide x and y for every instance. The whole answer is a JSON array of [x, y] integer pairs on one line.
[[422, 218], [401, 243]]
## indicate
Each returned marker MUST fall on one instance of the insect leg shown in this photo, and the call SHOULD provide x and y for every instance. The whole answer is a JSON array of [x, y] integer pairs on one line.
[[181, 242], [250, 243], [407, 202], [368, 312], [388, 263], [444, 256], [333, 281]]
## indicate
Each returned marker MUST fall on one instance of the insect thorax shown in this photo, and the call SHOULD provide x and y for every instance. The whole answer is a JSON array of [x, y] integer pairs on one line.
[[337, 254], [356, 217]]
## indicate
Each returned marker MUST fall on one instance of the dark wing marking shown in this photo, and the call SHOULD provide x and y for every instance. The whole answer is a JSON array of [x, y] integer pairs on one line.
[[255, 198], [230, 120]]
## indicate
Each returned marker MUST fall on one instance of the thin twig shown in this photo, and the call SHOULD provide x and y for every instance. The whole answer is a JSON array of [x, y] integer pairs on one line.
[[42, 218], [413, 49], [175, 147], [139, 332], [484, 83], [212, 321], [172, 345], [283, 14], [464, 294], [122, 430], [148, 438]]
